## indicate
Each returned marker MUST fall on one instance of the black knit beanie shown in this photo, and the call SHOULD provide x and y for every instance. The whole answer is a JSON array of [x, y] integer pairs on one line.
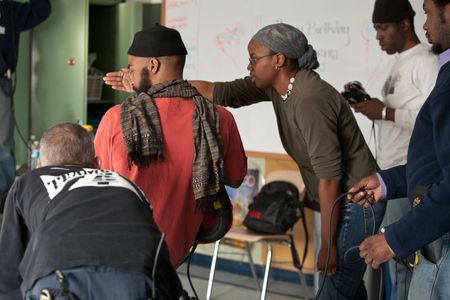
[[156, 42], [392, 11]]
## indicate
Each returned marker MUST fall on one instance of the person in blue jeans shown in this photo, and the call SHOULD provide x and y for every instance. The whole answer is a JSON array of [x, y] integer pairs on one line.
[[318, 130], [424, 179], [71, 231], [15, 17]]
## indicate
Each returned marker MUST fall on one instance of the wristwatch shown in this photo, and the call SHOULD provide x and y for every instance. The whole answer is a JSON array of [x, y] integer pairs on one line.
[[383, 113]]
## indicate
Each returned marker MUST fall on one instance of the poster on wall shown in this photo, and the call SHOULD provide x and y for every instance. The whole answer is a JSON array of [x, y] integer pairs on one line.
[[243, 196]]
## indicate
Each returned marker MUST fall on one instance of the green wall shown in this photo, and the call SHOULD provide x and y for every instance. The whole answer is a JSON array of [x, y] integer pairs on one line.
[[129, 15], [49, 90]]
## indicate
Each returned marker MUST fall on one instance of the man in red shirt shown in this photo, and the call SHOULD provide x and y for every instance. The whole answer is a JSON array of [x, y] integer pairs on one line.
[[176, 146]]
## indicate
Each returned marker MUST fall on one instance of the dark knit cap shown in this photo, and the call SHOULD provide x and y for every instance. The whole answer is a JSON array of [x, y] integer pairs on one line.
[[392, 11], [156, 42]]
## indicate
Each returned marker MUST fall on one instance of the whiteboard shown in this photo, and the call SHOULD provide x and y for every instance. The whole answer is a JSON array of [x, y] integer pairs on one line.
[[216, 34]]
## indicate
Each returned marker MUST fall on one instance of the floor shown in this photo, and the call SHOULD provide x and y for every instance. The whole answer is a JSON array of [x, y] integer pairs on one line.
[[232, 286]]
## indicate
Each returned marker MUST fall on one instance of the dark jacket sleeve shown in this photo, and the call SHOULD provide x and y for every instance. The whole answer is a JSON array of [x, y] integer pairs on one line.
[[430, 219], [13, 238], [395, 180], [29, 15], [240, 92]]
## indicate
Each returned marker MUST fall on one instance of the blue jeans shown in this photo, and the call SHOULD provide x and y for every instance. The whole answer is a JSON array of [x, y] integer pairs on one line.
[[431, 280], [7, 162], [97, 283], [355, 224], [400, 276]]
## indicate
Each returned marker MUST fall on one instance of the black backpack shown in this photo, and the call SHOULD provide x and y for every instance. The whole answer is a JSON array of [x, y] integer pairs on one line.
[[275, 209]]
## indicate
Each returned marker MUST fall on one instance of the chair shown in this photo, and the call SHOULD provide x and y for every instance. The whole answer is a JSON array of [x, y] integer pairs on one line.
[[248, 237]]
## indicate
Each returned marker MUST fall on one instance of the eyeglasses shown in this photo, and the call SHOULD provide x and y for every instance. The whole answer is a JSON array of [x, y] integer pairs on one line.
[[253, 60]]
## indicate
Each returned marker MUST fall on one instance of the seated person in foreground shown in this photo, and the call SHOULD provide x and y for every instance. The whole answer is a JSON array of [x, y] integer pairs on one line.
[[74, 231]]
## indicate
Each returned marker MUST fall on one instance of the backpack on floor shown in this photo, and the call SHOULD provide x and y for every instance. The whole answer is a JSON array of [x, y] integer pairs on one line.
[[275, 209]]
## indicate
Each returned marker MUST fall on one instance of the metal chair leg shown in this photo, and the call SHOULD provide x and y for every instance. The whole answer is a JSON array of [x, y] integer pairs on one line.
[[212, 270], [252, 266], [267, 270], [303, 283]]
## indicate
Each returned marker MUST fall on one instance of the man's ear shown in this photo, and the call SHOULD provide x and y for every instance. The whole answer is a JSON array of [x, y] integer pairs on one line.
[[405, 24], [154, 65]]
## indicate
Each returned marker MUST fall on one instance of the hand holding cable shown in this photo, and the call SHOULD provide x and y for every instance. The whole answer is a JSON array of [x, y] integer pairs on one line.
[[375, 249], [366, 192]]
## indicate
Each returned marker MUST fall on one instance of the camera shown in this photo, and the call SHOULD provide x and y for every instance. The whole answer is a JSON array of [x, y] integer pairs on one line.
[[354, 92]]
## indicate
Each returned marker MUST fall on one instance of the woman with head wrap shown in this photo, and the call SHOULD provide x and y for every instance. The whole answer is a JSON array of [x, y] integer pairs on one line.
[[318, 130]]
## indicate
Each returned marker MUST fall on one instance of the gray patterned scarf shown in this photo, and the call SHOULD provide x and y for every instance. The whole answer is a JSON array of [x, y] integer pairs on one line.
[[142, 135]]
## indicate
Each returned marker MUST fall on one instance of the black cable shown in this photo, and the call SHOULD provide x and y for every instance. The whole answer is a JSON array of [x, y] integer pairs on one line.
[[329, 238], [188, 270], [155, 264], [189, 254]]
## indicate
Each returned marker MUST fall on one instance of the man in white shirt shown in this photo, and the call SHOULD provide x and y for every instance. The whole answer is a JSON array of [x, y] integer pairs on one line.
[[410, 82]]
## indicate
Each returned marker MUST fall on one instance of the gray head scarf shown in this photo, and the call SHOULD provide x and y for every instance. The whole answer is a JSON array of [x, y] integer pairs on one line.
[[290, 41]]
